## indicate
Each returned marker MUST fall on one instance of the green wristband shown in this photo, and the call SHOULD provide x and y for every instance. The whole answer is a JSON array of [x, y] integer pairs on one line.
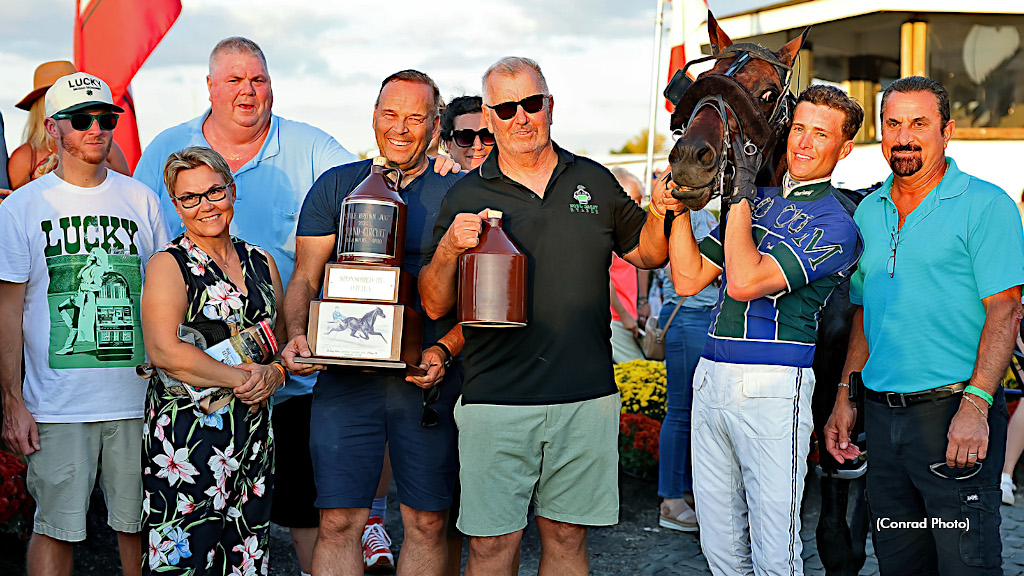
[[980, 394]]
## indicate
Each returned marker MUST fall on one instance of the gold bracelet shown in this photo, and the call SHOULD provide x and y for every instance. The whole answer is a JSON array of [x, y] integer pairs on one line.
[[975, 404], [657, 214], [284, 375]]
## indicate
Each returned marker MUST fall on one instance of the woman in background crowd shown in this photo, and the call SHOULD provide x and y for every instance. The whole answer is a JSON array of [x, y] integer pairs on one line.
[[464, 132], [684, 341]]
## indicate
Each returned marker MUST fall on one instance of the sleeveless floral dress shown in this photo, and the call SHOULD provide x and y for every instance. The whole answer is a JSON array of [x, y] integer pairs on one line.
[[207, 479]]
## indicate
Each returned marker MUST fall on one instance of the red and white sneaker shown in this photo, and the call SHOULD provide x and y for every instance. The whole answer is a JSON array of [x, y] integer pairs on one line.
[[377, 547]]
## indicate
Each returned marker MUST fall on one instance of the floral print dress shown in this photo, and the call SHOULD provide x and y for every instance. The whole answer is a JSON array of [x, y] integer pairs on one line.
[[207, 478]]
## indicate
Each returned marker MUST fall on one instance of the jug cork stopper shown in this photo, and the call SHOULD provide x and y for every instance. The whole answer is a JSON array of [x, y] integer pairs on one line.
[[493, 214], [380, 161]]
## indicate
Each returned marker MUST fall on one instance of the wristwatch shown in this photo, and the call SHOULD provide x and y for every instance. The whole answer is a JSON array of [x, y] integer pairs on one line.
[[447, 353]]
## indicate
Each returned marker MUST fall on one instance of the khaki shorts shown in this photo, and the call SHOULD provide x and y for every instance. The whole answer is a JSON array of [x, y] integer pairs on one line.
[[562, 457], [62, 474]]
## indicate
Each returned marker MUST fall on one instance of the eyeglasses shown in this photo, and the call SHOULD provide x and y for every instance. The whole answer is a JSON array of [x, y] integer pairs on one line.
[[215, 194], [530, 104], [942, 471], [466, 138], [429, 416], [893, 243], [81, 121]]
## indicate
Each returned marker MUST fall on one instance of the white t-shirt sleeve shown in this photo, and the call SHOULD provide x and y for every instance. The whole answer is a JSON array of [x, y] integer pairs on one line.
[[15, 257], [161, 232]]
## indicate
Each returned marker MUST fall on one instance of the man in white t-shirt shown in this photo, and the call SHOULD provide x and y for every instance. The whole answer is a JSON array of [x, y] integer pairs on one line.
[[75, 244]]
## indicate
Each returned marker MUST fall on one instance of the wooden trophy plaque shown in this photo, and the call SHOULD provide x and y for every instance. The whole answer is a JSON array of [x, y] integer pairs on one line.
[[367, 315]]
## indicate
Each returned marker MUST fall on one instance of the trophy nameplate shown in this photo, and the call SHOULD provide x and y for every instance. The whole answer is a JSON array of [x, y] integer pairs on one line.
[[361, 282], [367, 230]]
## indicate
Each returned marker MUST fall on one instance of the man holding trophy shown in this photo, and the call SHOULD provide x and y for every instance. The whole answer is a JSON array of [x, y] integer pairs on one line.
[[357, 411]]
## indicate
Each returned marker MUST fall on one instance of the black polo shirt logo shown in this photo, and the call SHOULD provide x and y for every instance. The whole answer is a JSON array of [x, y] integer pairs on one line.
[[582, 198]]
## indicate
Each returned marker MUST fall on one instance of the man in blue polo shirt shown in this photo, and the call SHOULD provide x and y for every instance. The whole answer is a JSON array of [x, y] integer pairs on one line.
[[786, 249], [939, 286], [275, 161]]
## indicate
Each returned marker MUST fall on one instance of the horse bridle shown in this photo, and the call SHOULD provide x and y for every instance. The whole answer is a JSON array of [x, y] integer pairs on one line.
[[776, 122]]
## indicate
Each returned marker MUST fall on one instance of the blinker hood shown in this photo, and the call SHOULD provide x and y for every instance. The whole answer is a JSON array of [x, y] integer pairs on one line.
[[739, 101]]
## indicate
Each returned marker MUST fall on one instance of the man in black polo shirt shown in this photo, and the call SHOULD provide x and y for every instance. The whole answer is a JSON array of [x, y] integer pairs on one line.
[[539, 413]]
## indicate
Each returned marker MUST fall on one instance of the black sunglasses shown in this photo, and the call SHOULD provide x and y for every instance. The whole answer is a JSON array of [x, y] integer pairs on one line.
[[82, 121], [429, 416], [465, 138], [215, 194], [530, 104]]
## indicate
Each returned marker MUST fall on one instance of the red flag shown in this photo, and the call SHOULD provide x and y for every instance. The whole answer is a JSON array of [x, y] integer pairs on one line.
[[684, 36], [112, 40]]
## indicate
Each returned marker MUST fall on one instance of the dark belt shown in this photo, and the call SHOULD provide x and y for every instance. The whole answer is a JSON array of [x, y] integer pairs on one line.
[[904, 399]]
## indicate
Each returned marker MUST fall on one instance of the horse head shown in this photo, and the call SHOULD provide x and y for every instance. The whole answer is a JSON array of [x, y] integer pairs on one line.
[[744, 98]]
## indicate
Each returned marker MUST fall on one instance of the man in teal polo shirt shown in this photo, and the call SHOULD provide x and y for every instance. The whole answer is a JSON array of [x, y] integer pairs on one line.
[[939, 290]]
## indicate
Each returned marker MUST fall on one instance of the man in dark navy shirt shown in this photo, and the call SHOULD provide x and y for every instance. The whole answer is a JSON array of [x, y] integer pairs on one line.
[[538, 419], [356, 413]]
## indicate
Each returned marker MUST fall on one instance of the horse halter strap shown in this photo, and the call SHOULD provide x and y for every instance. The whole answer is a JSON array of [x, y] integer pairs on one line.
[[744, 52]]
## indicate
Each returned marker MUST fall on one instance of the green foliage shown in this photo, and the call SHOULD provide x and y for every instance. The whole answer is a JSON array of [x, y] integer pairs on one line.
[[638, 144]]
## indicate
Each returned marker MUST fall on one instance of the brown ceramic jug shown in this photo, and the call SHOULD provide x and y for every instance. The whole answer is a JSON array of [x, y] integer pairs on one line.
[[492, 279], [371, 228]]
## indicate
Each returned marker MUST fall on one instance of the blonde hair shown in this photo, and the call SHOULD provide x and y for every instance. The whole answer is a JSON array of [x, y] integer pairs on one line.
[[194, 157], [35, 131]]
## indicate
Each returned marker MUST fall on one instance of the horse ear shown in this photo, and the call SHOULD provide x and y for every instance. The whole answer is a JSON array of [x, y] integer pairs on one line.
[[719, 39], [788, 53]]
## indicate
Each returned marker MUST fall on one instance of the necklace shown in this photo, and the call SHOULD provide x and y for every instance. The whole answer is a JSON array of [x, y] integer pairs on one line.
[[224, 263]]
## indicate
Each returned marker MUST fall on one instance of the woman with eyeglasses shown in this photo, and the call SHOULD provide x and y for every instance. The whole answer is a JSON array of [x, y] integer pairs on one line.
[[207, 465], [38, 153], [464, 132]]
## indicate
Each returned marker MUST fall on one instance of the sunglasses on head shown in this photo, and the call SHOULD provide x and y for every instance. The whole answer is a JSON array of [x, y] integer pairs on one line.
[[530, 104], [215, 194], [465, 138], [82, 121]]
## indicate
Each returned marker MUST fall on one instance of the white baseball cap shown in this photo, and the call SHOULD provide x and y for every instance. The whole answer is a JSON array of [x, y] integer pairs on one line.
[[77, 91]]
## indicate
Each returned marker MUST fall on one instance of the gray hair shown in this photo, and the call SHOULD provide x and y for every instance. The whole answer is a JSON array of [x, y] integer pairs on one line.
[[194, 157], [919, 84], [511, 66], [622, 175], [237, 44]]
